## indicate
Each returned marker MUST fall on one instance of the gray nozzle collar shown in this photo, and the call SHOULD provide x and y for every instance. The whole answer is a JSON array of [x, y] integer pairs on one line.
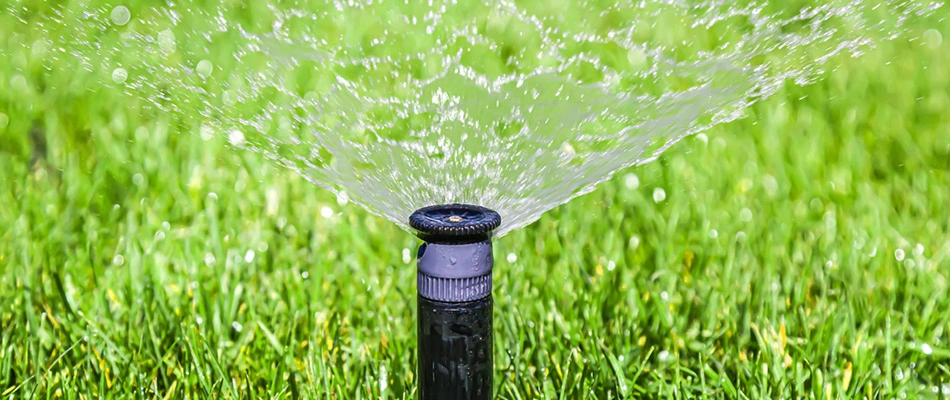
[[456, 261], [455, 272]]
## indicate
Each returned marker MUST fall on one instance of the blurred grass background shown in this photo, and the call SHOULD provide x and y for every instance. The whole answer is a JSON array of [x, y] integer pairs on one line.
[[803, 251]]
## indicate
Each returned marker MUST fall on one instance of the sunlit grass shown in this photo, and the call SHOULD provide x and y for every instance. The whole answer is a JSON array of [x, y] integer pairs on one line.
[[802, 252]]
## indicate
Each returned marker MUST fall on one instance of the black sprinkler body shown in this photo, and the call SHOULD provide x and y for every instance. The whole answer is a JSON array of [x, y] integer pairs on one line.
[[454, 301]]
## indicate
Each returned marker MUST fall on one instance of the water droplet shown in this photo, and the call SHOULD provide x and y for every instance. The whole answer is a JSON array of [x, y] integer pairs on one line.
[[634, 242], [631, 181], [120, 15], [703, 138], [899, 254], [166, 40], [919, 250], [118, 260], [925, 348], [204, 69], [933, 39], [664, 356], [199, 320], [512, 257], [206, 132], [159, 236], [237, 326], [326, 212], [659, 195], [745, 215], [664, 296], [342, 198], [636, 57], [713, 233], [611, 265], [406, 256], [138, 180], [166, 226], [210, 260], [119, 75], [249, 256], [305, 274], [236, 138]]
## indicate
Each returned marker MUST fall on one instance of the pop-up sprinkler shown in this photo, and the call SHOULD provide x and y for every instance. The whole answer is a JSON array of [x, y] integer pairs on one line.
[[455, 304]]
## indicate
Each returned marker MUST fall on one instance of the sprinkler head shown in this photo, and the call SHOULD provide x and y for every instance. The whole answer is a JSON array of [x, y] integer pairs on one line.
[[454, 223], [456, 260]]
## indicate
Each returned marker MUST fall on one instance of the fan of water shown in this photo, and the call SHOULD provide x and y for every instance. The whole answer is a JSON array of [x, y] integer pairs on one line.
[[514, 105]]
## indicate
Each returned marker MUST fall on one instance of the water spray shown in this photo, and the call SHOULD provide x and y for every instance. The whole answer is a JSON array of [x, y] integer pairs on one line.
[[454, 301]]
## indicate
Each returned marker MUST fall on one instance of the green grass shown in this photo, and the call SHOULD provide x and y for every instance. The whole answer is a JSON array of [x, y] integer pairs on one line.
[[137, 260]]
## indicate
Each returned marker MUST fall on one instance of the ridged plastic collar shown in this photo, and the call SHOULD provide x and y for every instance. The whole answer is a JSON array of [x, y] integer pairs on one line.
[[451, 222]]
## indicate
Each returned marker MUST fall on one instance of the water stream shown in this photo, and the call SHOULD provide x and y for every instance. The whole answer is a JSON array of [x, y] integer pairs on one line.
[[514, 105]]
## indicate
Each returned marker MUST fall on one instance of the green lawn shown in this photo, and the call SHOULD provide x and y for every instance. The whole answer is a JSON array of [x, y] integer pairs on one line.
[[801, 252]]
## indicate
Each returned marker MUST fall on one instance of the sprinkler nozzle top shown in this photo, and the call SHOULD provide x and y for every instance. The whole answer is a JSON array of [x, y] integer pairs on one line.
[[450, 222]]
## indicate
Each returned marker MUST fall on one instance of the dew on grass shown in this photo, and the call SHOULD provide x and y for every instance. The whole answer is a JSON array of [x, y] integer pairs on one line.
[[512, 257], [119, 75], [899, 254], [305, 275], [237, 326], [631, 181], [210, 261], [664, 356], [659, 195], [713, 233], [249, 256], [120, 15], [406, 256], [213, 196], [873, 252], [611, 265], [383, 378], [159, 236], [118, 260], [326, 212], [926, 349], [664, 296], [199, 320]]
